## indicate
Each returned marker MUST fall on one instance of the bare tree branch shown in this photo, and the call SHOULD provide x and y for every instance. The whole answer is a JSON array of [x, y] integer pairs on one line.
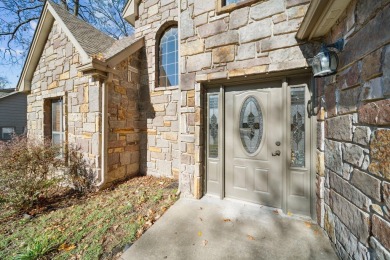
[[18, 19]]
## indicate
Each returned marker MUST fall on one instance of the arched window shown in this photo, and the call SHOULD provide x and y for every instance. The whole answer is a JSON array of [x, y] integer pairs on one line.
[[168, 58]]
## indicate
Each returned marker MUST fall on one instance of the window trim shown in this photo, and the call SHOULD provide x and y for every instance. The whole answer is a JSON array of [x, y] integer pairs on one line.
[[229, 8], [2, 133], [48, 120], [159, 36]]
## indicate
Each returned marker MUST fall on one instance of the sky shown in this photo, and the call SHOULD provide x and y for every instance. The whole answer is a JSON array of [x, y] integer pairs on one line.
[[12, 72]]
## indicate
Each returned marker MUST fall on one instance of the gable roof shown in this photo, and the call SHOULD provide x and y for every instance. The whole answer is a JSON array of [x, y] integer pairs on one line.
[[86, 39], [92, 40]]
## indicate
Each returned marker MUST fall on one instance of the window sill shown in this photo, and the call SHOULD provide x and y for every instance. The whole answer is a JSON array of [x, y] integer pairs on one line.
[[229, 8], [166, 88]]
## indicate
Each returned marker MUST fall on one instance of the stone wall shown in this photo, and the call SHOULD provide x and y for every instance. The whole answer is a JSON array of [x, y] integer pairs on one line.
[[255, 39], [124, 120], [353, 173], [158, 106], [56, 76]]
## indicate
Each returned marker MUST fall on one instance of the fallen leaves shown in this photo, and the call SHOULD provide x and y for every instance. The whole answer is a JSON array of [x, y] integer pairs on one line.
[[308, 224], [227, 220], [66, 247], [199, 233], [204, 242]]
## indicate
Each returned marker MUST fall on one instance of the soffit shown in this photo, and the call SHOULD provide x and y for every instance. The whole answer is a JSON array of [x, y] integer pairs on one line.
[[320, 17]]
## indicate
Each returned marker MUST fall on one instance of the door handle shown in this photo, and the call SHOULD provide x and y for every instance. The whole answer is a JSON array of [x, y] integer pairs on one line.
[[276, 153]]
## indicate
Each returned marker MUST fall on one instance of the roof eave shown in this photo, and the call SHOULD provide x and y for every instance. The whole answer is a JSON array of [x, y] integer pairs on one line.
[[117, 58], [41, 34], [320, 17], [130, 12], [38, 43]]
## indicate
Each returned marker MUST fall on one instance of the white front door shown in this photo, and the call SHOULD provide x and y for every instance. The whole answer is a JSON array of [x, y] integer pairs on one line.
[[253, 138]]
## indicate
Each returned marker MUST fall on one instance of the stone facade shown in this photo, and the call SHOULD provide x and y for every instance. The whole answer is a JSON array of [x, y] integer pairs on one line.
[[56, 76], [354, 205], [123, 144], [158, 106], [251, 40], [160, 130]]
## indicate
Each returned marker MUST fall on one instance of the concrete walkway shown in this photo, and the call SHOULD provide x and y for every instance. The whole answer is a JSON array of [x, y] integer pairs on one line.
[[211, 228]]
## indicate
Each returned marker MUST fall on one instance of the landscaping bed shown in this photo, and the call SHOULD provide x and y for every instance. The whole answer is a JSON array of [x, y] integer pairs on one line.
[[95, 226]]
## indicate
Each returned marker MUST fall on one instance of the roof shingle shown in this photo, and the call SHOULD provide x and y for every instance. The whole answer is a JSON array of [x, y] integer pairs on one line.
[[90, 39]]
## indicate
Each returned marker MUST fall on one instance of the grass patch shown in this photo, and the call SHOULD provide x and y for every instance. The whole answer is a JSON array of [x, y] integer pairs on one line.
[[93, 227]]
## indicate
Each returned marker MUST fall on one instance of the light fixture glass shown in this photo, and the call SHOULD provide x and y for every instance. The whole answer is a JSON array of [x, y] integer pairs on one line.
[[326, 61]]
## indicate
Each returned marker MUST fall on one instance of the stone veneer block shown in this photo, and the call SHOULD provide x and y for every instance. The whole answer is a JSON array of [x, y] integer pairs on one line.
[[380, 153], [386, 72], [192, 47], [369, 185], [256, 31], [380, 252], [381, 230], [357, 221], [212, 28], [375, 30], [386, 194], [278, 42], [267, 9], [238, 18], [350, 243], [287, 26], [248, 63], [353, 154], [372, 64], [223, 54], [291, 3], [372, 89], [349, 100], [349, 192], [225, 38], [186, 24], [333, 156], [339, 128], [362, 135], [375, 113], [199, 62]]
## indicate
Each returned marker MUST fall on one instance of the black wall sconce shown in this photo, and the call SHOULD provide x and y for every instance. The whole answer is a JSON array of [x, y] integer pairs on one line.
[[325, 63]]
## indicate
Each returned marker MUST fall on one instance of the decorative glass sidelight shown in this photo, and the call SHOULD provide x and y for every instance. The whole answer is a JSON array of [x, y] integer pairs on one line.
[[298, 127], [213, 126], [251, 124]]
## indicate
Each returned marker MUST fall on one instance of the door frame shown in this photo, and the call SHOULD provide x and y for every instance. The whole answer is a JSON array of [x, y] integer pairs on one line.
[[219, 88]]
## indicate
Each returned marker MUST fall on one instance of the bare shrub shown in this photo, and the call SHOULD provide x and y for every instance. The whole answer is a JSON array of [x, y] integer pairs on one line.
[[26, 170], [78, 172], [30, 169]]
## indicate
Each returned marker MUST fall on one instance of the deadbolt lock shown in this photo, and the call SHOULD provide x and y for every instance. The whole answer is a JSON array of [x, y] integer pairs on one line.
[[277, 143], [276, 153]]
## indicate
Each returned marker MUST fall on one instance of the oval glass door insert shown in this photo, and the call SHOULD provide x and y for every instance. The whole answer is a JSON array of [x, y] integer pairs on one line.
[[251, 124]]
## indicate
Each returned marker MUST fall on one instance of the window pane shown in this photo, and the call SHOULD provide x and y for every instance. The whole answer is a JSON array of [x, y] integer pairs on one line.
[[213, 126], [7, 132], [298, 127], [56, 108], [168, 58], [228, 2], [251, 124], [57, 138]]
